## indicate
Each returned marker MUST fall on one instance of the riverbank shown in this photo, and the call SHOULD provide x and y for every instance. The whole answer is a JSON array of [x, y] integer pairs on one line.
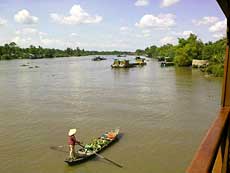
[[182, 54], [13, 51], [190, 49]]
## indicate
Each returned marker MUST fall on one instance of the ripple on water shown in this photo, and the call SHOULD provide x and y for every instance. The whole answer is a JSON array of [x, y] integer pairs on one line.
[[162, 112]]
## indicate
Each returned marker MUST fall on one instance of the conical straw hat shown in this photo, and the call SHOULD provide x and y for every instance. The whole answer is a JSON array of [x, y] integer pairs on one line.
[[72, 132]]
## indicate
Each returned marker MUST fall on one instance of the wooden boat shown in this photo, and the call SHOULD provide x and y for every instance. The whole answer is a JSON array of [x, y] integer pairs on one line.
[[98, 58], [140, 61], [122, 64], [86, 153], [121, 55], [167, 64]]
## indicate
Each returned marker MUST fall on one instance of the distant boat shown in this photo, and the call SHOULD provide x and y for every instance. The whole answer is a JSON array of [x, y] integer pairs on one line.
[[98, 58], [167, 61], [121, 55], [160, 59], [122, 64], [167, 64], [140, 61]]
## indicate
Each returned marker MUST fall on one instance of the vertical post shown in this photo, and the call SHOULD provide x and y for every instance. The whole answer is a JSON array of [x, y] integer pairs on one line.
[[225, 149], [225, 101]]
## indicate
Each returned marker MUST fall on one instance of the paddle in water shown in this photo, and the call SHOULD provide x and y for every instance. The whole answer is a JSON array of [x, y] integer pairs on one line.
[[104, 157], [60, 148]]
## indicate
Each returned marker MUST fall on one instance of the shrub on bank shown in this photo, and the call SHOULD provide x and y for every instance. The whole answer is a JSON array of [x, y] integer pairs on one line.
[[216, 70]]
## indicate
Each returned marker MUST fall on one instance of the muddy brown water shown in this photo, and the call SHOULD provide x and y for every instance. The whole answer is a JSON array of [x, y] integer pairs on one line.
[[163, 114]]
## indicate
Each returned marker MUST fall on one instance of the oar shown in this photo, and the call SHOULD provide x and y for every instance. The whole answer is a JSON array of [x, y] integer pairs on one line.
[[60, 148], [102, 157]]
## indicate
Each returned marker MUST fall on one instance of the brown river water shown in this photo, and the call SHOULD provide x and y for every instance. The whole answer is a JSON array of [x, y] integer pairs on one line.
[[163, 113]]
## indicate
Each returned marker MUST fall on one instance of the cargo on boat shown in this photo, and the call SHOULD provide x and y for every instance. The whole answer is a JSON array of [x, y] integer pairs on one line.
[[122, 64], [96, 146], [140, 61]]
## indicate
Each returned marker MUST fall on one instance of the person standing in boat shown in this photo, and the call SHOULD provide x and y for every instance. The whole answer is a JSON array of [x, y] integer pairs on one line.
[[72, 141]]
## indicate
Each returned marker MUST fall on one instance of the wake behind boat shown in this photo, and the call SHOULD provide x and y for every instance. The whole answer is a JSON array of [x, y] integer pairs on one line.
[[97, 145]]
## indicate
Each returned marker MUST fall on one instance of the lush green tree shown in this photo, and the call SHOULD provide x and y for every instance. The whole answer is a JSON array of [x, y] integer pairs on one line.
[[190, 49], [207, 51], [151, 51], [182, 58], [167, 50], [12, 51], [140, 52], [216, 57]]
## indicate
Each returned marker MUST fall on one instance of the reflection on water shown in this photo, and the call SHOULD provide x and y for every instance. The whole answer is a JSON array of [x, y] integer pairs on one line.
[[163, 113]]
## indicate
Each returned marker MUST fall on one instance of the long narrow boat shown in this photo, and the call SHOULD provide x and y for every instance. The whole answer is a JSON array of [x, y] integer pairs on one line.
[[96, 146]]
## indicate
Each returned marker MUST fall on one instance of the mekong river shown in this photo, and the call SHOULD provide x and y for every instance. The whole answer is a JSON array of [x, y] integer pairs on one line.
[[163, 114]]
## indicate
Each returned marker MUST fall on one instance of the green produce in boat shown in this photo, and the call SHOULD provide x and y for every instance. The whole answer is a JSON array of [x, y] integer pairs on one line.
[[96, 146]]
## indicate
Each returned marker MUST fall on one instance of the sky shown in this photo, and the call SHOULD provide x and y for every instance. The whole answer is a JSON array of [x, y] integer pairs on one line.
[[124, 25]]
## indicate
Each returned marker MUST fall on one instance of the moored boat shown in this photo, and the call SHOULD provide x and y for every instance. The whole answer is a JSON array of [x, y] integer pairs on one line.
[[122, 64], [121, 55], [167, 64], [140, 61], [96, 146], [98, 58]]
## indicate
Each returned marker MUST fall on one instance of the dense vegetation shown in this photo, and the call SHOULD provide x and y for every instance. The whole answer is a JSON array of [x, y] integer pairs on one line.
[[192, 48], [182, 54], [12, 51]]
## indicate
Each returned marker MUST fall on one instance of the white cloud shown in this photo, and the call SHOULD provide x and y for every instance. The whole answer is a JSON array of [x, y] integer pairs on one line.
[[124, 28], [22, 41], [74, 34], [162, 21], [27, 40], [31, 36], [187, 33], [49, 42], [216, 26], [168, 3], [219, 26], [77, 16], [141, 3], [2, 21], [146, 33], [219, 29], [184, 34], [27, 31], [42, 33], [118, 43], [207, 20], [219, 35], [16, 39], [54, 42], [24, 17], [168, 40]]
